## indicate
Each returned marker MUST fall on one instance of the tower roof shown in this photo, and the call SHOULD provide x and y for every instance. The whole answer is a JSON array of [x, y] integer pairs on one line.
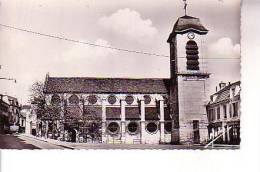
[[187, 24]]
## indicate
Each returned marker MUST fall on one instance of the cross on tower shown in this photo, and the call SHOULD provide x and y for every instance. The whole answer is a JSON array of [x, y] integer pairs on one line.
[[185, 6]]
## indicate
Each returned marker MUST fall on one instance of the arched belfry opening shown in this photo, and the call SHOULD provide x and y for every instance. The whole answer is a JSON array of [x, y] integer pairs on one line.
[[192, 55]]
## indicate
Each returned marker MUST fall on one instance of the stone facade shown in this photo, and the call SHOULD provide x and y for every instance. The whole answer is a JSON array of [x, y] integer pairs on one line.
[[144, 111], [192, 108], [30, 120], [123, 113], [189, 75]]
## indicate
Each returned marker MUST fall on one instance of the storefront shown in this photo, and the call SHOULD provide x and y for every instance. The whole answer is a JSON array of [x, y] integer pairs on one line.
[[234, 132]]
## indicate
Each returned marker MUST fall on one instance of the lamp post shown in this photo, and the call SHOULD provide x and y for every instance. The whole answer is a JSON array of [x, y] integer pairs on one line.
[[9, 79], [4, 78]]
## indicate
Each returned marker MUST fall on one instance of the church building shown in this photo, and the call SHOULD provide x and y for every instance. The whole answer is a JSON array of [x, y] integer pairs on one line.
[[137, 111]]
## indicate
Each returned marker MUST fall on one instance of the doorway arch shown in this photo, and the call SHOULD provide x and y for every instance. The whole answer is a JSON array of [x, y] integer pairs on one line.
[[73, 134]]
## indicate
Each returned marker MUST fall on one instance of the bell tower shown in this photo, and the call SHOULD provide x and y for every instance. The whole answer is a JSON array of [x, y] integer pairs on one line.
[[188, 81]]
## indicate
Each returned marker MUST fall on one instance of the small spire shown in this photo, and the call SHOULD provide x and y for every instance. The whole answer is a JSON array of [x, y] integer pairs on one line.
[[185, 6]]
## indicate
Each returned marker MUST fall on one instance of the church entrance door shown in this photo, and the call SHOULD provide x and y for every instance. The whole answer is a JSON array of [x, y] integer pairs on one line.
[[73, 134]]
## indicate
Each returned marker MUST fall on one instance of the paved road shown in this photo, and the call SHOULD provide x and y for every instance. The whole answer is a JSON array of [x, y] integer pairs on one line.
[[30, 142], [13, 142]]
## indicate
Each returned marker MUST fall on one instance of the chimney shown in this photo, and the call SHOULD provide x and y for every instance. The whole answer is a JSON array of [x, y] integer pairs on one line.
[[222, 85], [216, 89]]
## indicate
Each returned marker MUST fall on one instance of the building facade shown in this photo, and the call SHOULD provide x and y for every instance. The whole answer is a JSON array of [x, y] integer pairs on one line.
[[22, 119], [28, 120], [14, 110], [10, 119], [143, 111], [224, 113], [4, 119]]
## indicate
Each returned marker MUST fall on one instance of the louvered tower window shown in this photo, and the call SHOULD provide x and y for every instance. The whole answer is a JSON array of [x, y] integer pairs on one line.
[[192, 55]]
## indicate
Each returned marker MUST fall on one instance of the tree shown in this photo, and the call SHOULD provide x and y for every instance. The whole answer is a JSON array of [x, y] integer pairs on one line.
[[37, 98], [57, 110], [43, 112]]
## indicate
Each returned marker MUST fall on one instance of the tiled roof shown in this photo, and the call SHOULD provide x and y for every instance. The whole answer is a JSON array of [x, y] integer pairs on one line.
[[224, 94], [105, 85], [187, 24], [228, 87]]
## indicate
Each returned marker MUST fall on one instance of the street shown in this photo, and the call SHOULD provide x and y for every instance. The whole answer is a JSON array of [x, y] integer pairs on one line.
[[30, 142], [22, 142], [13, 142]]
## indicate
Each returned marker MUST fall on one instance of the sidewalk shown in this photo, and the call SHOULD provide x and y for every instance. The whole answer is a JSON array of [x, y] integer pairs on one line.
[[70, 145], [51, 141], [78, 146]]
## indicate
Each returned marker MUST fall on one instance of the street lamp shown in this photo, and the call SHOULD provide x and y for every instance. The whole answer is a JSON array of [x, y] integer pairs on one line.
[[3, 78], [9, 79]]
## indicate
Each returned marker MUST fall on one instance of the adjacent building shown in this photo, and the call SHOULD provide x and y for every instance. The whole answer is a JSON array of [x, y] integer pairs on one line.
[[28, 120], [22, 119], [14, 110], [136, 111], [224, 113], [4, 119], [10, 114]]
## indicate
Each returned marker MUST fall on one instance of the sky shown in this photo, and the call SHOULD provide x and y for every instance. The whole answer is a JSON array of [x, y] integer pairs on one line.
[[130, 24]]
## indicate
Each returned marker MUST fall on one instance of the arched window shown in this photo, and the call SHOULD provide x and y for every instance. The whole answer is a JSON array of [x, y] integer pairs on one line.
[[74, 99], [132, 127], [192, 55], [113, 128], [55, 99]]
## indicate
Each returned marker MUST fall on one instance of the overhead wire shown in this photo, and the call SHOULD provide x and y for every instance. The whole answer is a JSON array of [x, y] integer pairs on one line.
[[96, 45]]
